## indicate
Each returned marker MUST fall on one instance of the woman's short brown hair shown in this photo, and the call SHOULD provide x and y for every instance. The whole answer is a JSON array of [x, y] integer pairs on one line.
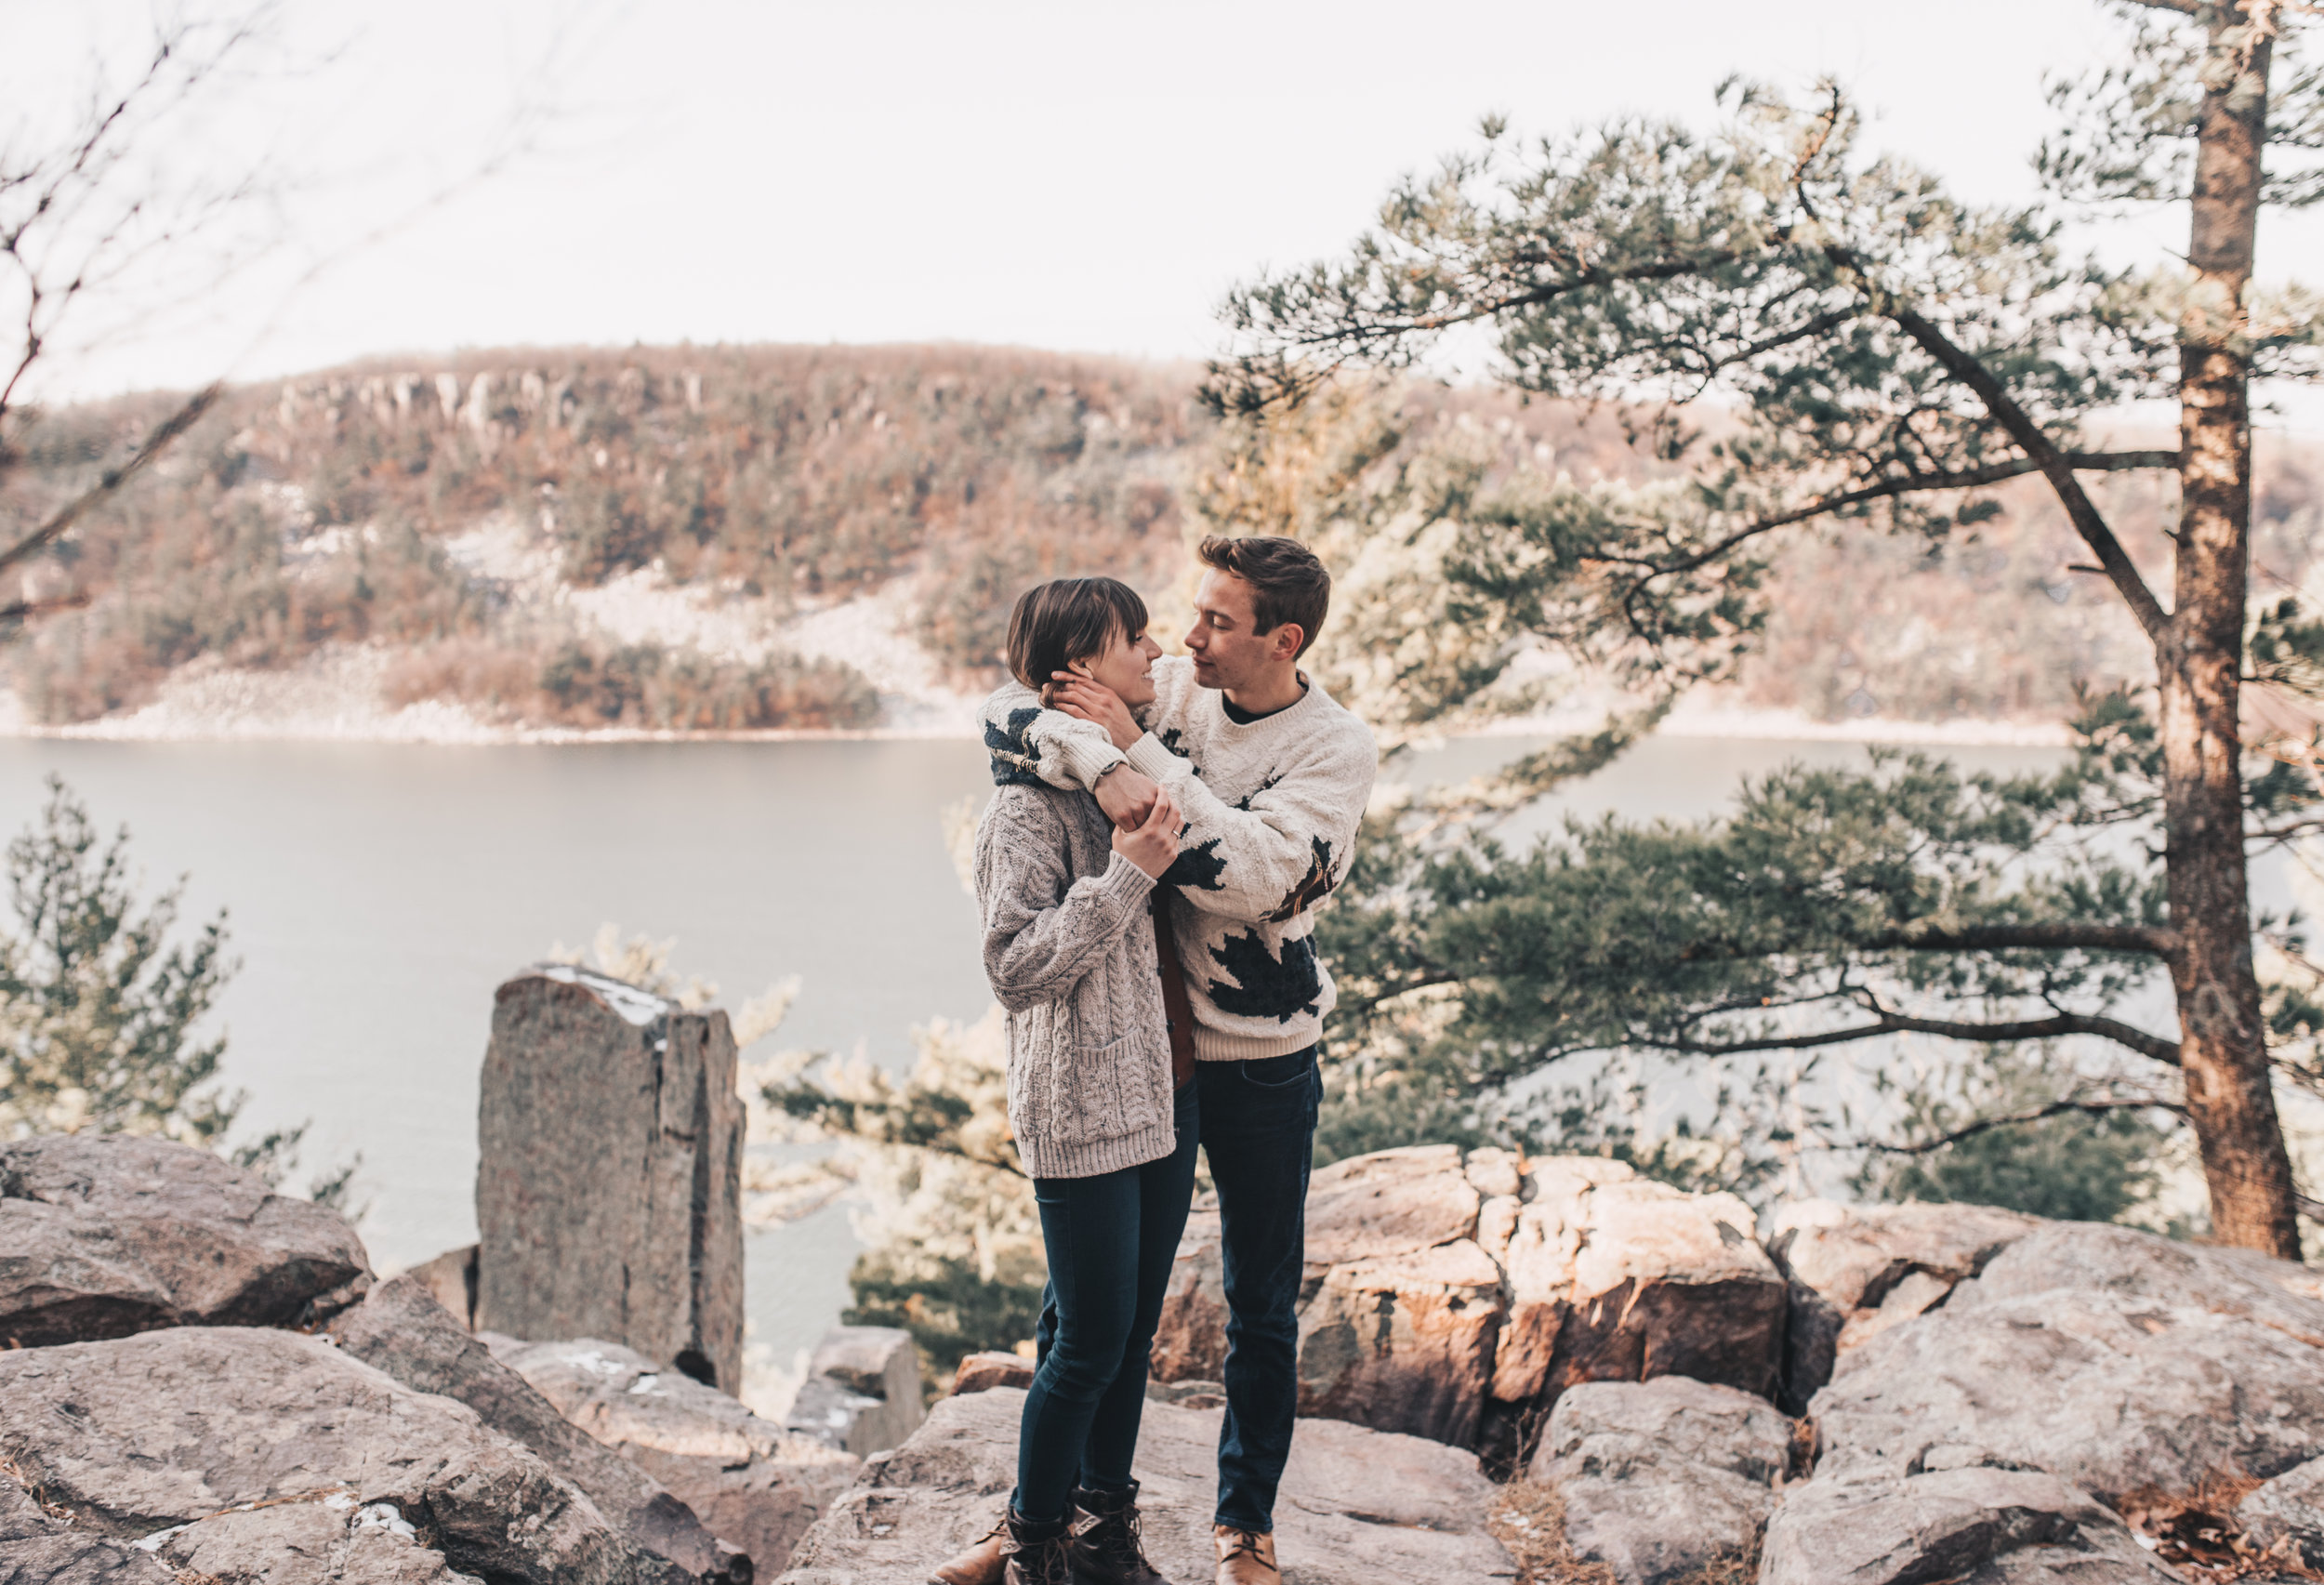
[[1064, 620], [1287, 584]]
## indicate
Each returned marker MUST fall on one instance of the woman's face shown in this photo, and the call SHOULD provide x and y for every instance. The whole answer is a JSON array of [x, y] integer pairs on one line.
[[1126, 666]]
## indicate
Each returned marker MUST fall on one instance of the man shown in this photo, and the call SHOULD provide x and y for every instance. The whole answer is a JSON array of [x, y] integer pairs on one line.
[[1272, 777]]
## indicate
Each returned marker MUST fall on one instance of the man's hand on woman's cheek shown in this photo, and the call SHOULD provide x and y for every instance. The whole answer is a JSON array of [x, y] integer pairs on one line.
[[1094, 702]]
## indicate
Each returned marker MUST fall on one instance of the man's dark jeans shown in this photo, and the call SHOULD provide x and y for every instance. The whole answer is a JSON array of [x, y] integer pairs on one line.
[[1110, 1240], [1259, 1130]]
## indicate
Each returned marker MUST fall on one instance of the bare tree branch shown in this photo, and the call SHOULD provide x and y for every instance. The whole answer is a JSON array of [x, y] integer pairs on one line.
[[177, 423]]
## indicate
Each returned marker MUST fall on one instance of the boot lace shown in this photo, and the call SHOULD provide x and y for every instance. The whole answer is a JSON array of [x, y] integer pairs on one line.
[[1246, 1545], [1115, 1538]]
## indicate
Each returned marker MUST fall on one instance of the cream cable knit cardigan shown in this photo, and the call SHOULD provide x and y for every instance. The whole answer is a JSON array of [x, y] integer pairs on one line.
[[1069, 951]]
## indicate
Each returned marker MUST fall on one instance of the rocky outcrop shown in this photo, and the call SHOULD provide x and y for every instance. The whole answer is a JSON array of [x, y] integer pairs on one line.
[[1981, 1526], [862, 1394], [608, 1185], [757, 1485], [2286, 1516], [992, 1368], [1456, 1297], [258, 1454], [2086, 1370], [2113, 1359], [106, 1235], [1662, 1478], [38, 1548], [1356, 1506], [450, 1280], [1877, 1265], [401, 1329]]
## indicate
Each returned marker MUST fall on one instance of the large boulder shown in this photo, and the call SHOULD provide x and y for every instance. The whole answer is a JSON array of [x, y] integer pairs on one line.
[[862, 1392], [1664, 1477], [2087, 1369], [196, 1443], [1976, 1526], [401, 1330], [609, 1172], [1445, 1295], [2113, 1359], [1356, 1506], [1877, 1265], [105, 1235], [758, 1486]]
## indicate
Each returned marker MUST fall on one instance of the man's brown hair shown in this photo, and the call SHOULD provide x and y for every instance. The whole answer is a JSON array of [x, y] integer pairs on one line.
[[1064, 620], [1287, 584]]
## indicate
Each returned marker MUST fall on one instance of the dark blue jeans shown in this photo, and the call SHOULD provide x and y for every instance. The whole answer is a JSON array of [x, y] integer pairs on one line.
[[1110, 1240], [1259, 1130]]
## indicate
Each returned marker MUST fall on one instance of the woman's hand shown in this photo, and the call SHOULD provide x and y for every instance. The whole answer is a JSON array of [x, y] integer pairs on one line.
[[1077, 695], [1154, 845]]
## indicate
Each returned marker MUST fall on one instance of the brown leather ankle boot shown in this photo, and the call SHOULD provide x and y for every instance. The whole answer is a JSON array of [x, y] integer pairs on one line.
[[1106, 1546], [1246, 1557], [982, 1564], [1038, 1554]]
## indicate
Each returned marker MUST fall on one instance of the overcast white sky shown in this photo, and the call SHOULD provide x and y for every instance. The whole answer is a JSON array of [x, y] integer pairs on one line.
[[1089, 176]]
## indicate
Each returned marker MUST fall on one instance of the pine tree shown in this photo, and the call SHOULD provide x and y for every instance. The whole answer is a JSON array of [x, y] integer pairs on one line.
[[1882, 356]]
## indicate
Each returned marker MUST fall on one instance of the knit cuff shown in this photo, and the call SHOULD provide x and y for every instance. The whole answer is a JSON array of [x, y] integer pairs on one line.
[[1150, 759], [1086, 755], [1125, 880]]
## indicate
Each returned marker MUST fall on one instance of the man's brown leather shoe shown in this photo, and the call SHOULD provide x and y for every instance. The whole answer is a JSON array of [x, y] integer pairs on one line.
[[982, 1564], [1246, 1557]]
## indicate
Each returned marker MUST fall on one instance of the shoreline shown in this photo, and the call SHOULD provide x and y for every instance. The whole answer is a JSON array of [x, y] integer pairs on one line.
[[462, 731]]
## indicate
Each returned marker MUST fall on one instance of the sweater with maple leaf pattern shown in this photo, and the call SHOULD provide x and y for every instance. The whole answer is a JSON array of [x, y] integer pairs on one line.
[[1272, 808]]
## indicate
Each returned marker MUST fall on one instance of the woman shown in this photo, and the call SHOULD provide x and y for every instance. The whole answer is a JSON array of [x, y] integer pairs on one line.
[[1070, 950]]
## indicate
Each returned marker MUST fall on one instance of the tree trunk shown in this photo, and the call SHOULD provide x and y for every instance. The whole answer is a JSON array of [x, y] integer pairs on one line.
[[2224, 1046]]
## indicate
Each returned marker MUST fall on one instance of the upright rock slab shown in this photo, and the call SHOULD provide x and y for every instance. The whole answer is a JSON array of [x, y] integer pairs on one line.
[[102, 1235], [756, 1485], [259, 1449], [1356, 1506], [608, 1183]]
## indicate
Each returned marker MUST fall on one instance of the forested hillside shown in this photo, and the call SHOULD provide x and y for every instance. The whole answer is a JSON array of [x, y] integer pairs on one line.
[[636, 537]]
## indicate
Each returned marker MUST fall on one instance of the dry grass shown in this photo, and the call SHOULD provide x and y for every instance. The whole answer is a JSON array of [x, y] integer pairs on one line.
[[2196, 1532], [1530, 1521]]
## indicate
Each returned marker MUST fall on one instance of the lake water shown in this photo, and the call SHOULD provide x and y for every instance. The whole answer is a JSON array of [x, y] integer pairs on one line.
[[378, 893]]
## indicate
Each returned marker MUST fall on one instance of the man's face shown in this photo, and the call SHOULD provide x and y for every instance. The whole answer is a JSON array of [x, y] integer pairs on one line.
[[1228, 650]]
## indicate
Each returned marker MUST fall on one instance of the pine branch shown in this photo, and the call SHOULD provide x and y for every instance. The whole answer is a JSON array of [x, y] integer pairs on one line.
[[2055, 466], [2013, 1119], [1886, 1023], [1906, 484], [2057, 936]]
